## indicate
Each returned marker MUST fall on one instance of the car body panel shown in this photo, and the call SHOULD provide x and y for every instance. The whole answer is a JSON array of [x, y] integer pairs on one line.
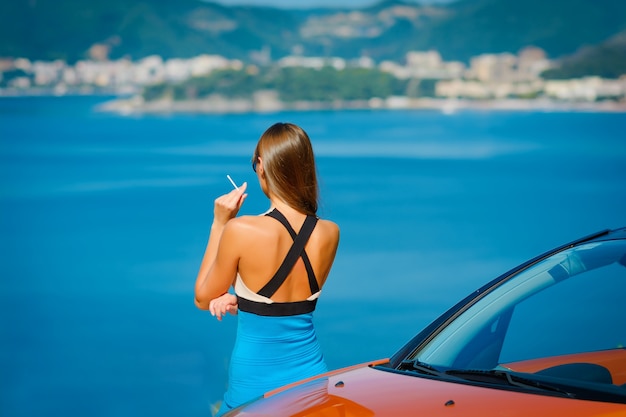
[[367, 391], [327, 374]]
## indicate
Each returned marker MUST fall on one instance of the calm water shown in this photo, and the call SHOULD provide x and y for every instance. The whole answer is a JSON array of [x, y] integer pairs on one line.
[[103, 221]]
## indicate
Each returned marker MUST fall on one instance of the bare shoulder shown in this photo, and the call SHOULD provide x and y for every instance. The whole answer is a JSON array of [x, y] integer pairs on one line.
[[248, 225], [244, 223]]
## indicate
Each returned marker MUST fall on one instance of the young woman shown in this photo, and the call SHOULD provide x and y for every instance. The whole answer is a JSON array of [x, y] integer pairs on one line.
[[277, 264]]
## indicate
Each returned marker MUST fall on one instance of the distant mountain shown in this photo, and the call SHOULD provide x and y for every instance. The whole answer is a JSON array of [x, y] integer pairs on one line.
[[607, 60], [69, 29], [560, 27], [47, 29]]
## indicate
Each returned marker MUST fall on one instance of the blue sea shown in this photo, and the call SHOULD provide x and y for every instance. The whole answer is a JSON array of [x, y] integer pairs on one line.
[[104, 219]]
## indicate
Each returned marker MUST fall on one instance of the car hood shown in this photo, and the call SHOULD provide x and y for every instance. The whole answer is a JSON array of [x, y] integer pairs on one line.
[[368, 391]]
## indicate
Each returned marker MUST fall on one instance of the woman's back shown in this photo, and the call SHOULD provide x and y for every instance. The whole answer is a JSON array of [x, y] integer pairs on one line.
[[264, 243]]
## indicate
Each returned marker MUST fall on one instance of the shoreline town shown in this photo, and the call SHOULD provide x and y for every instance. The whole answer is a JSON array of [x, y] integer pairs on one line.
[[489, 82]]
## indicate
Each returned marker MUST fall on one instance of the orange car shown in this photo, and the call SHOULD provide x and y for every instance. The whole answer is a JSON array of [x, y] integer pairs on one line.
[[545, 339]]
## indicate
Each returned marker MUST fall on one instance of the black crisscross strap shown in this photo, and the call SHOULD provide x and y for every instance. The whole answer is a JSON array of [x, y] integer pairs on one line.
[[296, 251]]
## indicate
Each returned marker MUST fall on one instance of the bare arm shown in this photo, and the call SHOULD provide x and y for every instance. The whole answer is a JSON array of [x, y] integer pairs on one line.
[[330, 249], [219, 264]]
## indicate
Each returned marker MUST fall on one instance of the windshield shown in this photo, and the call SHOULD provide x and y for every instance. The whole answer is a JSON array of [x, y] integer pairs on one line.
[[562, 317]]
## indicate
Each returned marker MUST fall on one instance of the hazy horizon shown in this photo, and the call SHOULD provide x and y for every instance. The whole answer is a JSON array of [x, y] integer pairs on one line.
[[310, 4]]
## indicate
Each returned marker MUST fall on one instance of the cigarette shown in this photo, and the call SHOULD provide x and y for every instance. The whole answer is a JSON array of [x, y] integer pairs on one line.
[[232, 182]]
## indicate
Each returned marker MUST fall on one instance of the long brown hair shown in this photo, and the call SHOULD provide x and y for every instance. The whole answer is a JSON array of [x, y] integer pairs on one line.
[[289, 166]]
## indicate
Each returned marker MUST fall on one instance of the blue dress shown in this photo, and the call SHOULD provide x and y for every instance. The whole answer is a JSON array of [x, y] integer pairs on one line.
[[276, 342]]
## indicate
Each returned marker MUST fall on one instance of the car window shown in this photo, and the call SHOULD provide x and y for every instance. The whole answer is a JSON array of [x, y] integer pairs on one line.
[[571, 302], [584, 313]]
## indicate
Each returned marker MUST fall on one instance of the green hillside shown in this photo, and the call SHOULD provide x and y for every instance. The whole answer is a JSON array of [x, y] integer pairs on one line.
[[606, 60], [49, 29]]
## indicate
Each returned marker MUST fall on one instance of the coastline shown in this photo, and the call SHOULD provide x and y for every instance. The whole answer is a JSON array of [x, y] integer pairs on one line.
[[268, 103]]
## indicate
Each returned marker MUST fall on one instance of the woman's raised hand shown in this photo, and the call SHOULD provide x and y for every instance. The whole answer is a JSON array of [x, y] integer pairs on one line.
[[227, 206]]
